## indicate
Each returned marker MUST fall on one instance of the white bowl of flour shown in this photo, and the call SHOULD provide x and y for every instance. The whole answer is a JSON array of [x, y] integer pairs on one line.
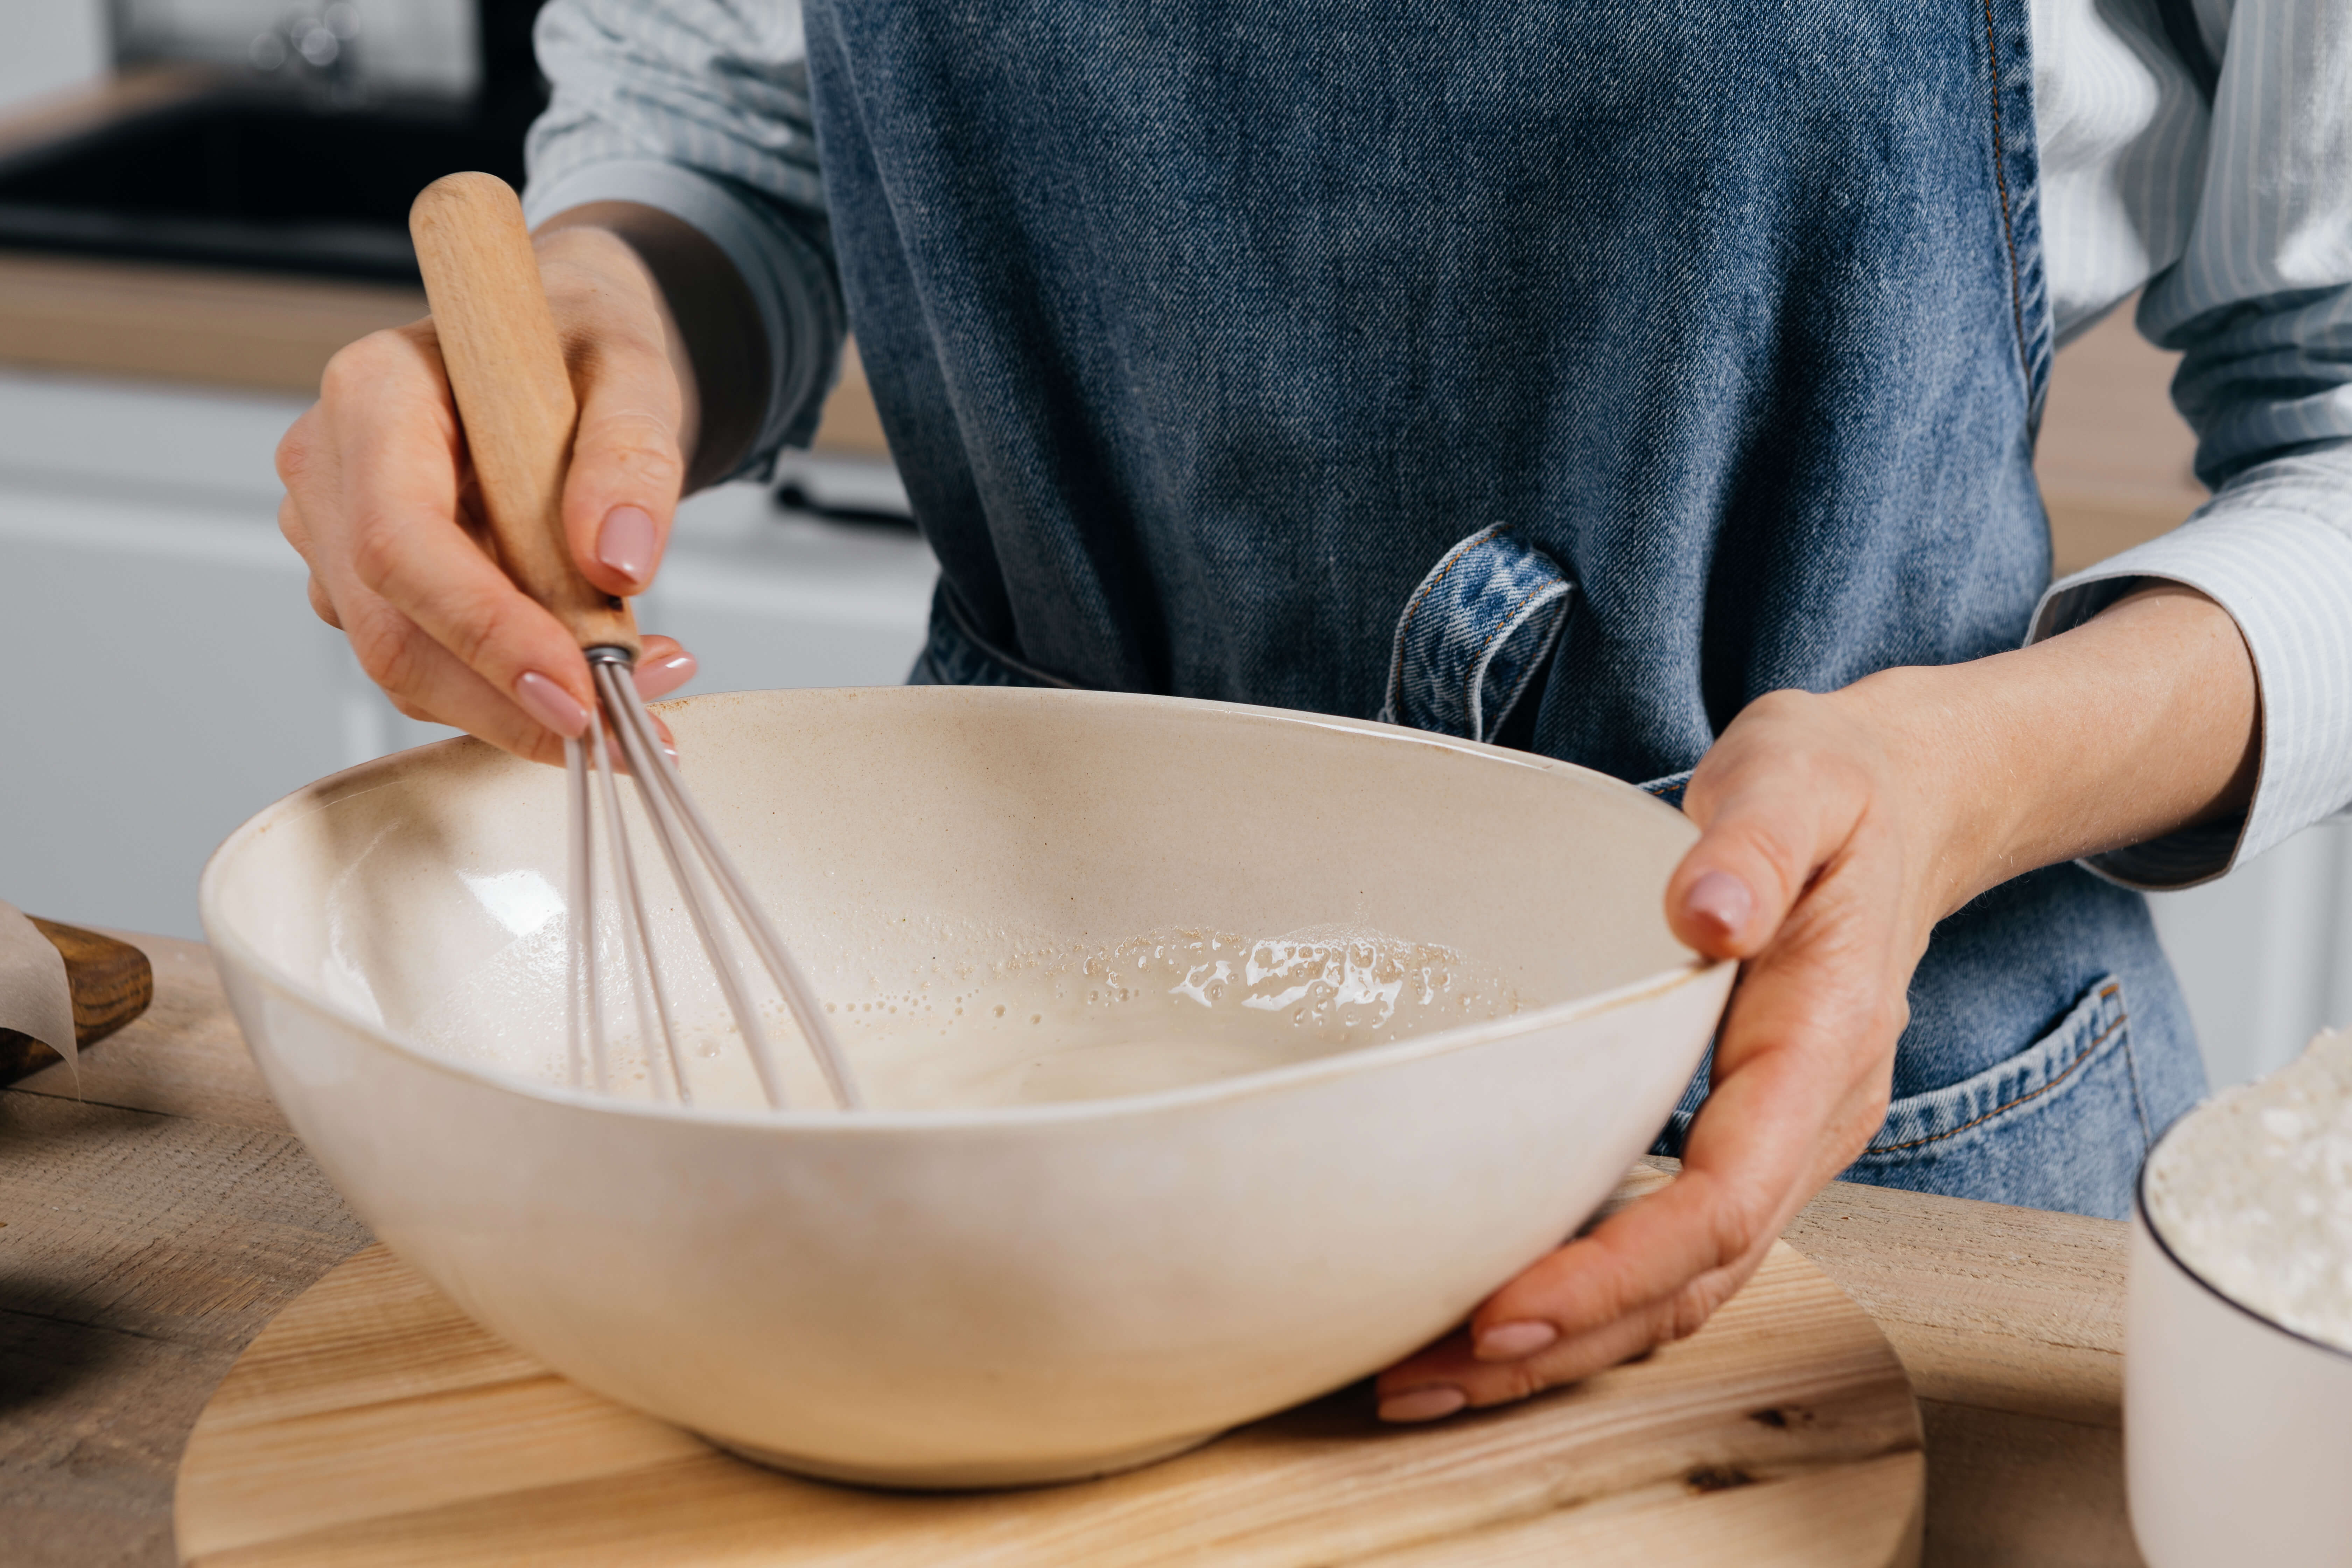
[[2238, 1364]]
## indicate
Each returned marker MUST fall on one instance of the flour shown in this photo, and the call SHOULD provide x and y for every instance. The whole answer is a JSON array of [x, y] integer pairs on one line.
[[2254, 1192]]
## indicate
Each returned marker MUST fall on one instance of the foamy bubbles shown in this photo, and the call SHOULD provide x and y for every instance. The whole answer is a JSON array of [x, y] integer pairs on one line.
[[1345, 986], [1155, 1012], [986, 1020]]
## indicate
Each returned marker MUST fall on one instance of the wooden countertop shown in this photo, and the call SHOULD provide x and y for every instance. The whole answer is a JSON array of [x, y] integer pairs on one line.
[[248, 330], [149, 1230]]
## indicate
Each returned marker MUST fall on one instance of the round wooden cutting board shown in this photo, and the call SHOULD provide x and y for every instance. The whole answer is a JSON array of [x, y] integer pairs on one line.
[[373, 1423]]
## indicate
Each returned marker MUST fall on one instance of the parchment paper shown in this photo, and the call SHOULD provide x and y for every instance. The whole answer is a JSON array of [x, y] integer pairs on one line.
[[35, 998]]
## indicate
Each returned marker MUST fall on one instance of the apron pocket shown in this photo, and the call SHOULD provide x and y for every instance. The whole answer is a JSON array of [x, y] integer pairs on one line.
[[2059, 1125], [1474, 634]]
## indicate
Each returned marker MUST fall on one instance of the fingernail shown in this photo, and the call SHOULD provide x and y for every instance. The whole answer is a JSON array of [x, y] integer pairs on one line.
[[551, 704], [1423, 1403], [626, 543], [1510, 1342], [660, 678], [1723, 898]]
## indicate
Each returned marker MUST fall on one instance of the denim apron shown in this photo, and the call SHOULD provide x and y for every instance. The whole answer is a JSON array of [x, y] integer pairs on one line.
[[1565, 374]]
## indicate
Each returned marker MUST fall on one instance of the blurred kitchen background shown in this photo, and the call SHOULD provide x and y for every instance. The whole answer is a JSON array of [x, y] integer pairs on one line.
[[200, 200]]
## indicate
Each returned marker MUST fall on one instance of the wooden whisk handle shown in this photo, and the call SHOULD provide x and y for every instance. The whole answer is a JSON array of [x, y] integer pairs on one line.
[[514, 392]]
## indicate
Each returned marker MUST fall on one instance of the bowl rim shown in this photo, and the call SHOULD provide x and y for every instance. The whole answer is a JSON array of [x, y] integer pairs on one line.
[[2156, 1235], [321, 794]]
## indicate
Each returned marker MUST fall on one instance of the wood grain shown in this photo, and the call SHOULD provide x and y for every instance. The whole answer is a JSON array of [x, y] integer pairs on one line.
[[111, 980], [514, 392], [2008, 1313], [2038, 1493], [182, 1056], [138, 1254], [250, 331], [254, 331], [146, 1233], [374, 1423], [2002, 1308], [111, 984], [2009, 1322]]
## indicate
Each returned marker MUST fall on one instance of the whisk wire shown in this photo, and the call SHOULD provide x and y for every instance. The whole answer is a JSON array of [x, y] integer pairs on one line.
[[583, 976], [515, 399], [653, 1010], [778, 960], [658, 791], [599, 1026]]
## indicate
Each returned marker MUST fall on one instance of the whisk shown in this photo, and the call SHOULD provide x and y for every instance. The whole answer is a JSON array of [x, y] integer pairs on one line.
[[514, 398]]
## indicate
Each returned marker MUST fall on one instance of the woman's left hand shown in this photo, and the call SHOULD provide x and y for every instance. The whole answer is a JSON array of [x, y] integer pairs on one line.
[[1837, 830], [1810, 869]]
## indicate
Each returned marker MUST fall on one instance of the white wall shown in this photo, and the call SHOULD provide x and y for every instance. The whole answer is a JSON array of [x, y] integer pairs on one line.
[[2265, 954], [51, 45]]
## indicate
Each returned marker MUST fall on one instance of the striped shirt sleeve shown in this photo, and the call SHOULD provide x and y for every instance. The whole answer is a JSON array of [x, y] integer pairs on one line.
[[2260, 305], [700, 108]]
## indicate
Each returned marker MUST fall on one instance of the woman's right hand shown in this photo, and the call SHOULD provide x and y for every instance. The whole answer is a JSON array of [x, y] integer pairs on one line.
[[380, 501]]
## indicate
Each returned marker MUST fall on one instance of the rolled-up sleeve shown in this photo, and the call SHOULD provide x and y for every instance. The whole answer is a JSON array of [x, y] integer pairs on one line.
[[700, 108], [2261, 308]]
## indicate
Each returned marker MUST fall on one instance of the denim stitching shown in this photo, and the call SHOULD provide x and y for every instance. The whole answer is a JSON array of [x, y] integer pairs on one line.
[[1562, 593], [2139, 1101], [1428, 585], [1671, 788], [2107, 992], [1475, 684], [2000, 184]]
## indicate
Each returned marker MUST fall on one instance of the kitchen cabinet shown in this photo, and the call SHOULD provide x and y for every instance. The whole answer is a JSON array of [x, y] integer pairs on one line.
[[169, 678]]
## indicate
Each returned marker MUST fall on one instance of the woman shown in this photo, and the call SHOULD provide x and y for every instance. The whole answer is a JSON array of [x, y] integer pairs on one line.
[[1648, 387]]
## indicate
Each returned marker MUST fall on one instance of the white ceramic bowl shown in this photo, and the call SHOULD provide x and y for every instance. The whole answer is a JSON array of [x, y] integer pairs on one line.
[[2237, 1431], [970, 1298]]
